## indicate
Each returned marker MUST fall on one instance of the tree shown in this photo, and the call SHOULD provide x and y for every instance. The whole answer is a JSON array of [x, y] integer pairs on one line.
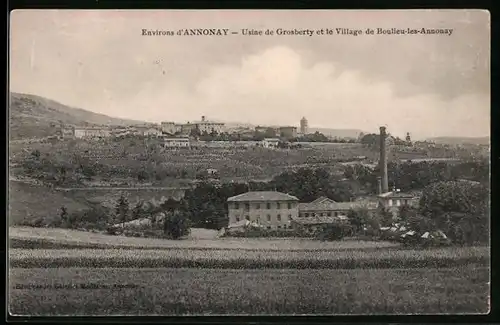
[[335, 231], [460, 209], [36, 154], [62, 175], [358, 218], [142, 175], [309, 184], [176, 225], [195, 132], [371, 140], [122, 210], [385, 216], [138, 211], [64, 216], [407, 213]]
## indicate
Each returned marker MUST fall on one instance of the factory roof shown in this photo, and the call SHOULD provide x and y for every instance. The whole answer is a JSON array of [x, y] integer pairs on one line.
[[326, 204], [319, 220], [262, 196]]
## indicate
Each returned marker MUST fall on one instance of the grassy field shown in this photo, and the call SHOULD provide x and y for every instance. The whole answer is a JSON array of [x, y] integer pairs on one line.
[[75, 291], [248, 259], [27, 202], [27, 237]]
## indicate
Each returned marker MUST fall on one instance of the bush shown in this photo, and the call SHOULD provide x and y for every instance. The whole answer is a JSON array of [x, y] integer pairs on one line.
[[336, 231], [176, 225], [264, 233]]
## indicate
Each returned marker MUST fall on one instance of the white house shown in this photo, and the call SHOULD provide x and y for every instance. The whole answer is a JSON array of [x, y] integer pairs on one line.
[[176, 142], [91, 132], [270, 142]]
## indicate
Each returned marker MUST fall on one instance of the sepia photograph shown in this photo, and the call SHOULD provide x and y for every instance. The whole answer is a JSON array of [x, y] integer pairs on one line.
[[248, 162]]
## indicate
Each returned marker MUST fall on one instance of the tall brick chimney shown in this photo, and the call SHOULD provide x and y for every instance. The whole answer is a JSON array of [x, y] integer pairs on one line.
[[383, 161]]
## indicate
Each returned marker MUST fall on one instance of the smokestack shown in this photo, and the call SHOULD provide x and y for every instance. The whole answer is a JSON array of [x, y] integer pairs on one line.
[[379, 183], [203, 118], [383, 161]]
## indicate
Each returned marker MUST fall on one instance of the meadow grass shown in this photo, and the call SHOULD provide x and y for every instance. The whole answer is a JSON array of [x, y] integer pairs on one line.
[[211, 291], [28, 237], [240, 259]]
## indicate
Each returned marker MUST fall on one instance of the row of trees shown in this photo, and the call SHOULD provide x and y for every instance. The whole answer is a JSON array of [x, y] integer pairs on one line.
[[416, 176], [261, 135], [459, 209]]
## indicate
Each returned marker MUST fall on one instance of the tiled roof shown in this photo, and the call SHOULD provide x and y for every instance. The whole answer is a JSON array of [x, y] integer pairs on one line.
[[319, 220], [326, 204], [262, 196]]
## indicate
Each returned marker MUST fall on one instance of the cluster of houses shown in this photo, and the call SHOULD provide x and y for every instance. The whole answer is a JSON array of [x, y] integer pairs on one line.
[[273, 210], [280, 211], [175, 135]]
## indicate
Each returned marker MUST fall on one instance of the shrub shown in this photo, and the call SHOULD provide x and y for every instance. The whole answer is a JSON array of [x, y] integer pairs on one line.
[[176, 225], [265, 233], [335, 231]]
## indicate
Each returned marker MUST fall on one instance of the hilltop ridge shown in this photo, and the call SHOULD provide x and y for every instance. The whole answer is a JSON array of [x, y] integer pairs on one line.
[[34, 116]]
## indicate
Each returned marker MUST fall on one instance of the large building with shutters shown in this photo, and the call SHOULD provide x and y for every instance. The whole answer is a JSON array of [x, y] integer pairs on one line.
[[271, 210]]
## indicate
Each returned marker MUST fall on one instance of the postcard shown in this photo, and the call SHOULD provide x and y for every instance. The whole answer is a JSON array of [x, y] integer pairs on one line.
[[249, 162]]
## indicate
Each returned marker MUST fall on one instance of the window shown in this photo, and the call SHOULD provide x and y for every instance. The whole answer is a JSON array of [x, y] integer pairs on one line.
[[236, 205], [257, 206], [247, 217], [268, 227], [247, 206], [322, 214], [268, 217], [289, 205], [307, 215], [336, 214], [279, 227], [268, 206], [329, 214], [278, 217], [237, 219], [258, 219], [398, 203], [289, 217], [278, 206], [390, 203]]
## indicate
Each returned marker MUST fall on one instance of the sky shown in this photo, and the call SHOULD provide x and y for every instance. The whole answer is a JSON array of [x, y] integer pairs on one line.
[[428, 85]]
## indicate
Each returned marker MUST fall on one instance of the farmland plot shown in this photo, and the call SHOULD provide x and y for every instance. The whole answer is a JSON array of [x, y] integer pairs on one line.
[[248, 259], [160, 291]]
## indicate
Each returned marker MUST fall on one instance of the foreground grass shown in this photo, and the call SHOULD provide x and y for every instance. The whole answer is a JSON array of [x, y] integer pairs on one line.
[[77, 291], [240, 259], [28, 237]]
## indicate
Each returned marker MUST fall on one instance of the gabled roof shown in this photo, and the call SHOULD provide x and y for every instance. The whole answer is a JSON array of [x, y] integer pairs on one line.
[[323, 200], [319, 220], [326, 204], [262, 196]]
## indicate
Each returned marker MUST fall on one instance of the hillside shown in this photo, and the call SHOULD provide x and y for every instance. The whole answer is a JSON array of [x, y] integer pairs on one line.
[[460, 140], [34, 116], [28, 202]]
